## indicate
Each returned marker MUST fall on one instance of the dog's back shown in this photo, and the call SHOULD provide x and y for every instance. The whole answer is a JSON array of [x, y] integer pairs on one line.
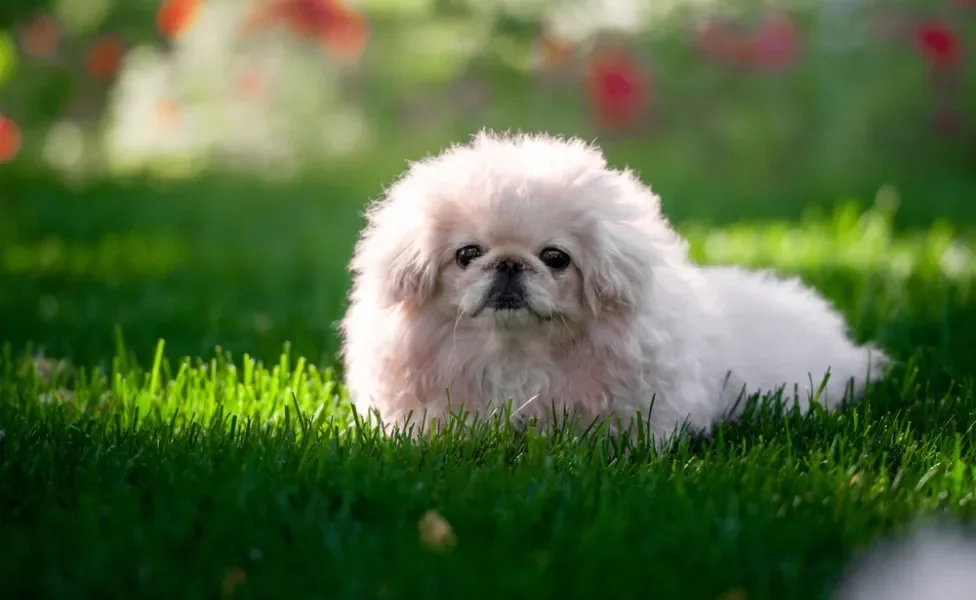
[[774, 332]]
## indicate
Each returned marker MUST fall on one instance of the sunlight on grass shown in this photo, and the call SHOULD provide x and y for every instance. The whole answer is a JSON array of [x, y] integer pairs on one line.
[[849, 239]]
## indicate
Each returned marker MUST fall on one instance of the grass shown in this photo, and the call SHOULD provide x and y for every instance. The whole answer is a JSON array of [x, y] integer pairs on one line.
[[129, 470]]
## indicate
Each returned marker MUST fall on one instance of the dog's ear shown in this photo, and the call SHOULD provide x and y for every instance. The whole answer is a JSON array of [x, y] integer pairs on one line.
[[413, 274], [393, 256], [628, 247], [616, 275]]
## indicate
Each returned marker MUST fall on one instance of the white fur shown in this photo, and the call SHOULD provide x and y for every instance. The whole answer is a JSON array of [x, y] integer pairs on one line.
[[632, 320]]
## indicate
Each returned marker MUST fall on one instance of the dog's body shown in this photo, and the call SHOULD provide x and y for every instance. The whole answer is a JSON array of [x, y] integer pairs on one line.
[[524, 269]]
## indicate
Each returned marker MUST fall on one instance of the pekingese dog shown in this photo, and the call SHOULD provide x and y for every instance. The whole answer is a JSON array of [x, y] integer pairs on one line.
[[523, 269]]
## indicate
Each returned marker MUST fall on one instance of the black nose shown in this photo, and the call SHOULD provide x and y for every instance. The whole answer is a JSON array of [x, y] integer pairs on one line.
[[506, 290], [509, 267]]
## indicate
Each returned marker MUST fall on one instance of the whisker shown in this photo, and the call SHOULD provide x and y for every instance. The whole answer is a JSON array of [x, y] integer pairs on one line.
[[460, 315], [572, 335]]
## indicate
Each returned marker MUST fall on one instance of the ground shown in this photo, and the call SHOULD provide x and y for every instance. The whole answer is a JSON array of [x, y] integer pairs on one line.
[[220, 461]]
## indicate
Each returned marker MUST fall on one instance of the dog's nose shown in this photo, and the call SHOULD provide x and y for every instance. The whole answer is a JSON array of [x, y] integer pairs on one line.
[[507, 291], [509, 267]]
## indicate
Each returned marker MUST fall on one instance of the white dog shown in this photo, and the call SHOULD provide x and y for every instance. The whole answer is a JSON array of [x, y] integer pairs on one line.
[[524, 269]]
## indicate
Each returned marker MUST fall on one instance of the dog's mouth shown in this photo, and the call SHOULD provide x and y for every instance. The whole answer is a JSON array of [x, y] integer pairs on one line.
[[506, 307], [507, 299]]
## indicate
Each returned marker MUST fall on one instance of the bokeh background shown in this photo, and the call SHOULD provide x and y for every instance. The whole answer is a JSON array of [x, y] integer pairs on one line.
[[196, 169]]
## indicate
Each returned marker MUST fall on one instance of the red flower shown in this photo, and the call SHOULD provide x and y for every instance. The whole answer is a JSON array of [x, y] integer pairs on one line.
[[939, 44], [175, 17], [103, 58], [618, 89], [9, 139], [338, 28]]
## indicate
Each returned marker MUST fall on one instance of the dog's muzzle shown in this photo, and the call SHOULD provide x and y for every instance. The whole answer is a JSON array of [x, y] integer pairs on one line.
[[507, 290]]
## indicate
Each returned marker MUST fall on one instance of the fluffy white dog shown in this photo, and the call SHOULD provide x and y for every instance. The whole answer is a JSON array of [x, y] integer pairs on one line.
[[523, 268]]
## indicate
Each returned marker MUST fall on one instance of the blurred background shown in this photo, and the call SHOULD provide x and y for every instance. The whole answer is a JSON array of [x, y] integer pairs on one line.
[[196, 169]]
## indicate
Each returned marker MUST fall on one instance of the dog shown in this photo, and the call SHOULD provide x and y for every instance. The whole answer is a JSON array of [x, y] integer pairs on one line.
[[522, 268]]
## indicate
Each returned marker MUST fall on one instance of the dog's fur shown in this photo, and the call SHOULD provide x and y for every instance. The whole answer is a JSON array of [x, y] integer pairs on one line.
[[631, 320]]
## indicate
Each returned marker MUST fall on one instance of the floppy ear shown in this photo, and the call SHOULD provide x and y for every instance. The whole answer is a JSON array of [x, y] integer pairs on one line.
[[394, 256], [630, 246], [412, 275], [616, 277]]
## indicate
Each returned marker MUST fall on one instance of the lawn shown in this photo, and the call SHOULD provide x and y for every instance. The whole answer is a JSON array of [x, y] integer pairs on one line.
[[220, 461]]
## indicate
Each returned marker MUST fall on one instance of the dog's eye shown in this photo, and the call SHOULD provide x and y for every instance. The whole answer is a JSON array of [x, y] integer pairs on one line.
[[467, 255], [554, 258]]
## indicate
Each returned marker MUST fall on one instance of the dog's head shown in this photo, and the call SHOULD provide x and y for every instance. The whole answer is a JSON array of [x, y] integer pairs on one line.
[[508, 232]]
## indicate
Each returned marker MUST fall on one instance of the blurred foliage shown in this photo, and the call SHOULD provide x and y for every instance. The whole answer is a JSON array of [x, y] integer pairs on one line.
[[815, 98]]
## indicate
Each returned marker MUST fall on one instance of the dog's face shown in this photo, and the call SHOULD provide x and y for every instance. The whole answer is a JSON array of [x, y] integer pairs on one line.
[[510, 264], [510, 233]]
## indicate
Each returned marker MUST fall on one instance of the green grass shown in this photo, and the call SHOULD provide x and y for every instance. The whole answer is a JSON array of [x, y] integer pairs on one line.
[[127, 470]]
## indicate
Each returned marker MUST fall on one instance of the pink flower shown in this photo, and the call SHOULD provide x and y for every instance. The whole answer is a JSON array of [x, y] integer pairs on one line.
[[774, 44], [618, 89], [938, 44]]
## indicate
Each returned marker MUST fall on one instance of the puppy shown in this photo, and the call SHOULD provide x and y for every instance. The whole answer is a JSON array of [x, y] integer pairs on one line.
[[523, 269]]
